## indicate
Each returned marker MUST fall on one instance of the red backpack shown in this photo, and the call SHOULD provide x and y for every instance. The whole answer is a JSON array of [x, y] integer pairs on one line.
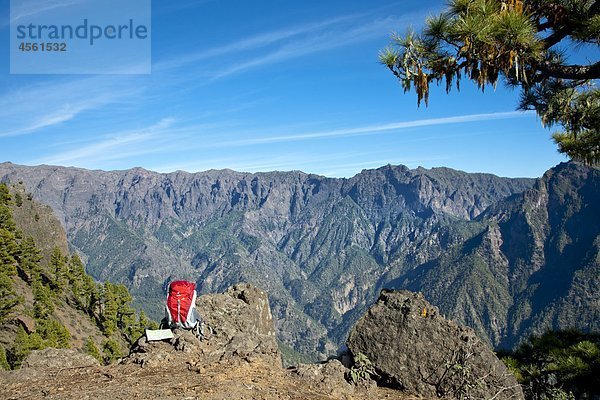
[[181, 305]]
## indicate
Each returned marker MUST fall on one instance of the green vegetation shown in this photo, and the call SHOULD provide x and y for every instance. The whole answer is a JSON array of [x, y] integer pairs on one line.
[[29, 260], [9, 250], [119, 244], [58, 267], [43, 305], [522, 42], [3, 361], [119, 316], [362, 370], [24, 343], [557, 365], [90, 348], [111, 350], [54, 334], [62, 282], [18, 199]]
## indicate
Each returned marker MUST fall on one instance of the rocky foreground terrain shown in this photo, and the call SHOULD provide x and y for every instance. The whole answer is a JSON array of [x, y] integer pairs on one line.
[[239, 359], [181, 378]]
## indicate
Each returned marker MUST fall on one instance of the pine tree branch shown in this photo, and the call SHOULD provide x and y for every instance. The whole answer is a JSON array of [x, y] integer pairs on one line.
[[566, 30], [543, 26], [595, 8], [558, 35], [581, 72]]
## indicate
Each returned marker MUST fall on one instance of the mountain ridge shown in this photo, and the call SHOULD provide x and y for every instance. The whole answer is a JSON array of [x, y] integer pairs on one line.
[[323, 247]]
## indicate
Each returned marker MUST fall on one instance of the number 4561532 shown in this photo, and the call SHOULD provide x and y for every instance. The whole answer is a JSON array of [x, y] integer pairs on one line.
[[25, 46]]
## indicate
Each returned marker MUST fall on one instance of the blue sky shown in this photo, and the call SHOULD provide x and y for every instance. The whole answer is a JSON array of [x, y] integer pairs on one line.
[[261, 86]]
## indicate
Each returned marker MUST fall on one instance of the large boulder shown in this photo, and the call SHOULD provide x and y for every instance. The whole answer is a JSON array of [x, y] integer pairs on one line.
[[416, 349], [240, 323]]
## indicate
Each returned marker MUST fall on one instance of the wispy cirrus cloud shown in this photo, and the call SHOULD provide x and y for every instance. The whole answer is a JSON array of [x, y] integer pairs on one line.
[[284, 44], [121, 145], [36, 107], [336, 164], [254, 42], [23, 9], [377, 129], [52, 117], [317, 42], [178, 137]]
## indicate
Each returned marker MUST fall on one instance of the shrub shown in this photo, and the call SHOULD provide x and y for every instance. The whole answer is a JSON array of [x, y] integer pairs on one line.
[[362, 370], [90, 348]]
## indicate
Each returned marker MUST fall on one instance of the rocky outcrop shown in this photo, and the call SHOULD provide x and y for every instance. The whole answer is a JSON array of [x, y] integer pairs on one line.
[[237, 358], [416, 349], [238, 326], [330, 376], [239, 321]]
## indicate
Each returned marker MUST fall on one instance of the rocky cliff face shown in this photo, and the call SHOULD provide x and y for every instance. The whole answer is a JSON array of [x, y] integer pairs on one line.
[[322, 247], [534, 266]]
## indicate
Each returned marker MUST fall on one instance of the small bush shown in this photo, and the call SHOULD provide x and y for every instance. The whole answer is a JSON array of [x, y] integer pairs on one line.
[[23, 345], [362, 370], [558, 365], [90, 348], [18, 199], [111, 350], [3, 361], [54, 334]]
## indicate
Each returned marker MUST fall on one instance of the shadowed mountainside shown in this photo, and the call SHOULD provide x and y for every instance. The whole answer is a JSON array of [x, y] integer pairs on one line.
[[536, 263]]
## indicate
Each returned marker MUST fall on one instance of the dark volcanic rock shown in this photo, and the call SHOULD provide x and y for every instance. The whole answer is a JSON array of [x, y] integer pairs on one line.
[[414, 348]]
